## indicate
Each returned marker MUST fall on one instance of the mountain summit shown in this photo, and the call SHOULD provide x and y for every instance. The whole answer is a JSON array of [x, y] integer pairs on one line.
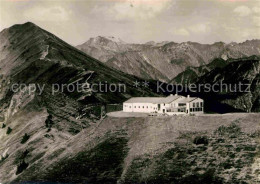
[[36, 68]]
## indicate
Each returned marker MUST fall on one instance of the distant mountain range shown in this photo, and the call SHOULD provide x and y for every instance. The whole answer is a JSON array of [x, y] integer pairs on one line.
[[163, 61]]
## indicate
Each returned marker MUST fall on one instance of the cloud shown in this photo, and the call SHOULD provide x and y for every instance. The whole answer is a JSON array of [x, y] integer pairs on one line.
[[233, 0], [256, 10], [138, 21], [55, 13], [133, 9], [180, 32], [242, 11], [199, 28], [256, 21]]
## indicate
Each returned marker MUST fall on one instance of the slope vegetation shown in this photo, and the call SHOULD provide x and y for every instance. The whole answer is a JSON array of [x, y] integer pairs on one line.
[[204, 149]]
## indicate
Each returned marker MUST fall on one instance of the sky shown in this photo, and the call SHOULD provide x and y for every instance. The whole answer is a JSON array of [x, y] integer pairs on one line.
[[139, 21]]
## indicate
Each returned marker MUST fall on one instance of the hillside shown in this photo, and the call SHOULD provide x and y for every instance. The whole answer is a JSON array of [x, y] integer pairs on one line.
[[31, 55], [236, 84], [192, 74], [34, 58], [39, 62], [163, 61], [204, 149]]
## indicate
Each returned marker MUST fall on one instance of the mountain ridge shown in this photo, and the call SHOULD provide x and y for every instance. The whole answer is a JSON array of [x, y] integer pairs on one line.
[[192, 74], [164, 60], [32, 58], [242, 72]]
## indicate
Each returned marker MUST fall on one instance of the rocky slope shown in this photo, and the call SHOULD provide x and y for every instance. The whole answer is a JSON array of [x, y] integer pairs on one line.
[[192, 74], [33, 64], [163, 61], [236, 84]]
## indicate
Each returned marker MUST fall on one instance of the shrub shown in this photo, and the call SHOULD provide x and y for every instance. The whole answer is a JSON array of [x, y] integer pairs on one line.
[[9, 130], [201, 140], [25, 138], [3, 158], [24, 154], [3, 125], [49, 123], [21, 167], [21, 156], [233, 130]]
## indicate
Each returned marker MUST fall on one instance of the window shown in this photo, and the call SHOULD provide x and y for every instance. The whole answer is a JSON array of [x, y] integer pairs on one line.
[[130, 106], [143, 107], [147, 107], [201, 104], [193, 104], [198, 104], [134, 106], [139, 107], [182, 104], [164, 104], [191, 110]]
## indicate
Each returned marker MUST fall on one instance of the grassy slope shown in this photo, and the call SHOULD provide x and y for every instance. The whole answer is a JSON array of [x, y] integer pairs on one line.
[[150, 149]]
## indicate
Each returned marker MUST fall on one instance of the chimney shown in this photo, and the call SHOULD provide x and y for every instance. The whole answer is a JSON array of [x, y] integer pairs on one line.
[[188, 96]]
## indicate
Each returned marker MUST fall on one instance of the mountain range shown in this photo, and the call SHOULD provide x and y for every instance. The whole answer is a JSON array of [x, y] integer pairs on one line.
[[163, 61]]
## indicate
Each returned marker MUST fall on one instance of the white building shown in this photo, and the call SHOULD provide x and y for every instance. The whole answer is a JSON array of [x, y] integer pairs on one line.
[[173, 104]]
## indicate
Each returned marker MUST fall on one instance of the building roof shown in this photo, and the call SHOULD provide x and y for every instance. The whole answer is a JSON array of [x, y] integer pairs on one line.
[[145, 100], [186, 100], [170, 98], [156, 100]]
